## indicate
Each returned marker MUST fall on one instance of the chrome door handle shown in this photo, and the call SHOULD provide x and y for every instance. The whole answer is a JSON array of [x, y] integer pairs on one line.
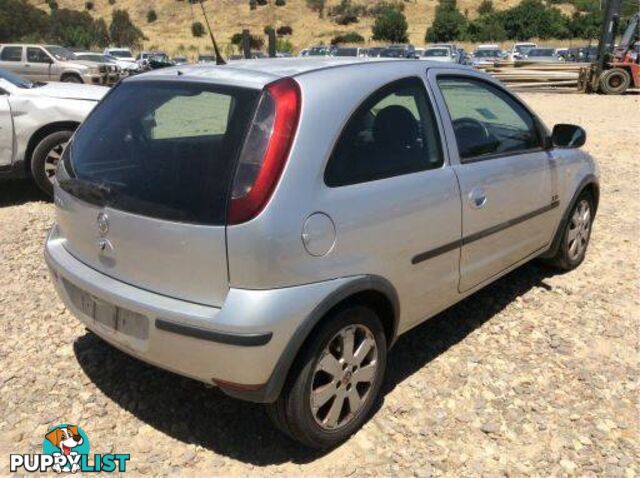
[[478, 197]]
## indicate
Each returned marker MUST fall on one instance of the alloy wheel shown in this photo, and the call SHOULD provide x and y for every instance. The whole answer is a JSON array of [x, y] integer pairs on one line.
[[343, 377], [51, 161], [579, 230]]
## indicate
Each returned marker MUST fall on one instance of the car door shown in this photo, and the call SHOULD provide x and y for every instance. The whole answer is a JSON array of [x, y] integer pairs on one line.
[[6, 131], [507, 178], [395, 201], [11, 59], [38, 64]]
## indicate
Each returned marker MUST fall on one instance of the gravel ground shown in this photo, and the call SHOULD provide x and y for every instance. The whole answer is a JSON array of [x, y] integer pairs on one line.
[[535, 375]]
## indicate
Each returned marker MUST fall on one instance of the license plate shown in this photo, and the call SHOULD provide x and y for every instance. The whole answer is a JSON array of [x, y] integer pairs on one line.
[[123, 320]]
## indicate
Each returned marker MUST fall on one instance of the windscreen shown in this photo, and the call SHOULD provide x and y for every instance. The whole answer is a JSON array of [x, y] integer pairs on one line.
[[161, 149]]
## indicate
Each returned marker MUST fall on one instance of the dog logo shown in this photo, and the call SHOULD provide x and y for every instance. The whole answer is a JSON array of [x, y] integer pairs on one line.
[[69, 441], [66, 449]]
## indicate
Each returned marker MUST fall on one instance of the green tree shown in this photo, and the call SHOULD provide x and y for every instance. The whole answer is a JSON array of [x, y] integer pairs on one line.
[[122, 30], [32, 21], [100, 34], [449, 23], [72, 28], [533, 19], [390, 26], [197, 29], [487, 28]]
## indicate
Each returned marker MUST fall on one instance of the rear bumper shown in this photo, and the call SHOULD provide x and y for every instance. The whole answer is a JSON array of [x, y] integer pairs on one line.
[[237, 347]]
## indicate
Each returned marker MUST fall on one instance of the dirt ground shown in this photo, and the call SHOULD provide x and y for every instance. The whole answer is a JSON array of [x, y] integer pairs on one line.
[[535, 375]]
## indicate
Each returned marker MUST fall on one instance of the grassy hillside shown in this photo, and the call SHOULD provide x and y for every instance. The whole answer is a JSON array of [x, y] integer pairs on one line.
[[172, 30]]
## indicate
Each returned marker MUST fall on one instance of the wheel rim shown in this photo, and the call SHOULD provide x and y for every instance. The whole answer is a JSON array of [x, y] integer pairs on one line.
[[615, 81], [344, 377], [51, 161], [579, 229]]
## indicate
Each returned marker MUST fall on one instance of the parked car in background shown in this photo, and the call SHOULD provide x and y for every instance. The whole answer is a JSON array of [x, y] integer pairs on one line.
[[402, 50], [180, 60], [114, 71], [544, 55], [519, 50], [453, 50], [349, 51], [144, 57], [227, 223], [486, 56], [123, 54], [51, 63], [303, 52], [440, 54], [375, 51], [36, 121], [208, 58], [320, 50]]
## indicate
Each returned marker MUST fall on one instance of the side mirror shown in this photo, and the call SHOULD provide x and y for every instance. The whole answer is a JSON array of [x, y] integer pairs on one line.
[[568, 136]]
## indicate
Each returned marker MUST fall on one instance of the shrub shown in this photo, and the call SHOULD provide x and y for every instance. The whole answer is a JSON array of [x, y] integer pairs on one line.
[[255, 42], [449, 24], [390, 26], [252, 4], [122, 30], [100, 34], [197, 29], [283, 45], [89, 5], [280, 3], [152, 16], [346, 12], [112, 2], [53, 5], [486, 7], [262, 3], [383, 6], [351, 37], [267, 29], [284, 30]]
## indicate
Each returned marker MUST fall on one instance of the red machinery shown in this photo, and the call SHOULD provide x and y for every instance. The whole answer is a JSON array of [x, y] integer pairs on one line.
[[616, 68]]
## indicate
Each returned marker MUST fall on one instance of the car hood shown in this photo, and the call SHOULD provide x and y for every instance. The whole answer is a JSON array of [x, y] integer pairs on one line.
[[70, 91]]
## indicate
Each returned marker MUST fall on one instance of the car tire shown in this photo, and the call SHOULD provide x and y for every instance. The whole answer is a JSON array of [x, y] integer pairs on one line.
[[71, 79], [329, 393], [615, 81], [45, 159], [576, 235]]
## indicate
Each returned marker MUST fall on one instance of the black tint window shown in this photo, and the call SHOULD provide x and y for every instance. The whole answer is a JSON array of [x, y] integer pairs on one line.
[[164, 150], [11, 53], [487, 120], [37, 55], [392, 133]]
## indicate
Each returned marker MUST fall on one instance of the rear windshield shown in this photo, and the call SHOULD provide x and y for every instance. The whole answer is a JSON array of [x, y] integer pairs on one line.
[[163, 149]]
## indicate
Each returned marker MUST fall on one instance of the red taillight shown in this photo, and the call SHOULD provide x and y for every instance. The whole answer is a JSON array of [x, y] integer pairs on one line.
[[265, 150]]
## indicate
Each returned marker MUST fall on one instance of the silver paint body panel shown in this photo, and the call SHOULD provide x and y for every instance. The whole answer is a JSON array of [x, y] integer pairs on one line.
[[179, 271]]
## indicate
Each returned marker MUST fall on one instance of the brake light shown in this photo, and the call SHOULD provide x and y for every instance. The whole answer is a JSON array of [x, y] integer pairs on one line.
[[265, 150]]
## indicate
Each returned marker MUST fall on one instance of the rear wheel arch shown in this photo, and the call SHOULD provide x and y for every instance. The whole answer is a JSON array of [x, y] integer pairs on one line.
[[371, 291]]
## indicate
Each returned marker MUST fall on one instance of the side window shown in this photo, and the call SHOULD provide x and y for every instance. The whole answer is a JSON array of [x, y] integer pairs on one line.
[[37, 55], [487, 120], [11, 53], [393, 132]]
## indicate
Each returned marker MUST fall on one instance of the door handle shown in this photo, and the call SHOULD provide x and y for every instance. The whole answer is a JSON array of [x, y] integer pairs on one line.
[[478, 197]]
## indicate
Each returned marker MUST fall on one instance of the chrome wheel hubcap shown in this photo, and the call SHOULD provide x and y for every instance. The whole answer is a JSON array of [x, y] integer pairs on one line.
[[579, 229], [51, 160], [343, 377]]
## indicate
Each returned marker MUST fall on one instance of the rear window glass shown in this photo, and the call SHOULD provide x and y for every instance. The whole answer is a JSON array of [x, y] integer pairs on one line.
[[164, 150]]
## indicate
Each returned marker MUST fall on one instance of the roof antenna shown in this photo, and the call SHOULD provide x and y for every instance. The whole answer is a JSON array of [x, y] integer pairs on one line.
[[219, 59]]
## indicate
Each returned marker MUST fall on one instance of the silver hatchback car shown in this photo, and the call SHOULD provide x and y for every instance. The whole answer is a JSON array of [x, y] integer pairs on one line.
[[271, 227]]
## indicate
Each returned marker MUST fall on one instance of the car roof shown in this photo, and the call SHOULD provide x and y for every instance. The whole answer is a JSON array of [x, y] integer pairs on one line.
[[258, 72]]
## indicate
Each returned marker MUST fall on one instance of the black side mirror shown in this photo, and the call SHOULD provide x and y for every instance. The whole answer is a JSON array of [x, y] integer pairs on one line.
[[568, 136]]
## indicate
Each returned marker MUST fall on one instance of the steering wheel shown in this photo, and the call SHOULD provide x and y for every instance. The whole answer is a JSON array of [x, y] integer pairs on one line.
[[471, 126]]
